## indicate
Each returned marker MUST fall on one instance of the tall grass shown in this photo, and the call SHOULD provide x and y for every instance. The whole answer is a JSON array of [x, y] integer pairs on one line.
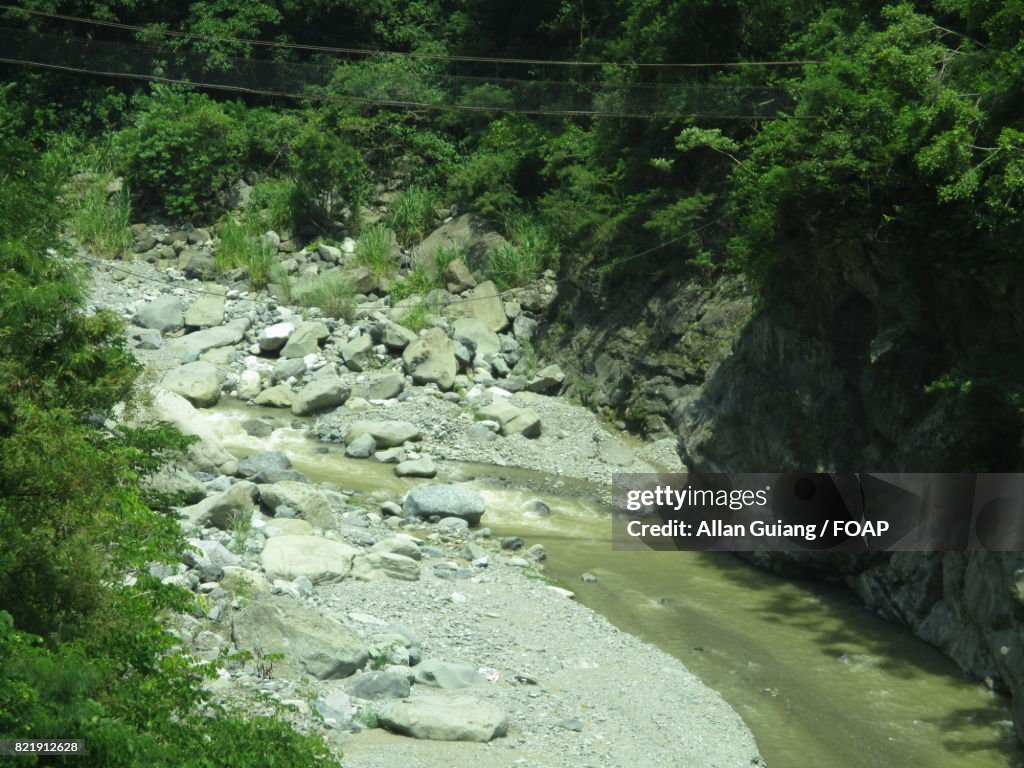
[[334, 295], [101, 221], [445, 255], [373, 250], [412, 214], [275, 203], [525, 258], [239, 247], [419, 281]]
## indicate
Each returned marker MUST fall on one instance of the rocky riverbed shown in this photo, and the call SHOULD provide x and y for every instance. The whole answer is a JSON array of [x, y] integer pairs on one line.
[[396, 624]]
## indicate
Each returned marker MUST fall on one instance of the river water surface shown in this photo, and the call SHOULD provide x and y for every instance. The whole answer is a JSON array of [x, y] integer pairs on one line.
[[819, 680]]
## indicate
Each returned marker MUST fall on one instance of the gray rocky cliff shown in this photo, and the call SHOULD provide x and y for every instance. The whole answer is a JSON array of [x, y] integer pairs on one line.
[[855, 366]]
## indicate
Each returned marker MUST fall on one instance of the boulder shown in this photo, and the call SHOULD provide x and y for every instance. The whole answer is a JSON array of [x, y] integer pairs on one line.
[[444, 500], [287, 527], [273, 337], [320, 560], [362, 447], [547, 379], [397, 336], [424, 467], [444, 718], [319, 395], [381, 387], [306, 500], [164, 314], [243, 581], [467, 233], [357, 354], [377, 686], [478, 334], [192, 345], [482, 303], [386, 434], [380, 565], [287, 368], [305, 340], [208, 310], [399, 545], [310, 643], [445, 675], [280, 396], [206, 455], [457, 277], [431, 359], [174, 484], [513, 420], [223, 509], [253, 465], [196, 263], [198, 382]]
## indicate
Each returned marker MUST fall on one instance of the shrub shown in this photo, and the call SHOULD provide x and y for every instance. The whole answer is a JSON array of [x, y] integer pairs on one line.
[[412, 214], [373, 250], [100, 220], [329, 175], [180, 149]]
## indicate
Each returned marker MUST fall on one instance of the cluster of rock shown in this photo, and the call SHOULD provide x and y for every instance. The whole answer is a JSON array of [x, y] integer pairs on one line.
[[265, 540]]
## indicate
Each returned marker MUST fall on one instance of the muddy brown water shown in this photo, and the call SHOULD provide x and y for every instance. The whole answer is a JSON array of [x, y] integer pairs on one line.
[[819, 680]]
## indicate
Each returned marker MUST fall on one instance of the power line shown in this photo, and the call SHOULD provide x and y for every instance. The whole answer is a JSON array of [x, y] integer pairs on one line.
[[157, 31], [332, 82]]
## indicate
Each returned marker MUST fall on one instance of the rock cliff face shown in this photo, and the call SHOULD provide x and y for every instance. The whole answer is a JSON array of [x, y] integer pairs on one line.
[[854, 366]]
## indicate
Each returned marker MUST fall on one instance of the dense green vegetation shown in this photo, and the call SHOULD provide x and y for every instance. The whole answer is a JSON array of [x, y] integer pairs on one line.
[[84, 649], [902, 145]]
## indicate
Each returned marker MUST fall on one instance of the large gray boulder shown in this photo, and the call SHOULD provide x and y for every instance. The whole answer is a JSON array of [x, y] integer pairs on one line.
[[198, 382], [483, 303], [431, 359], [208, 310], [194, 344], [386, 434], [266, 461], [357, 354], [446, 675], [322, 561], [397, 336], [272, 337], [164, 314], [305, 340], [373, 566], [319, 395], [467, 233], [513, 420], [378, 686], [444, 500], [310, 643], [381, 387], [422, 467], [457, 277], [207, 454], [444, 718], [478, 335], [547, 379], [223, 510], [172, 484], [306, 500], [278, 396]]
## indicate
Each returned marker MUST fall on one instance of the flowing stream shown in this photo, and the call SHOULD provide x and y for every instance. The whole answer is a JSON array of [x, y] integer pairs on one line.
[[819, 680]]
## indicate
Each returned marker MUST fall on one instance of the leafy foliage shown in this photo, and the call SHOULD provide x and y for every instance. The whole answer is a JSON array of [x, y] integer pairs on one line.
[[180, 149]]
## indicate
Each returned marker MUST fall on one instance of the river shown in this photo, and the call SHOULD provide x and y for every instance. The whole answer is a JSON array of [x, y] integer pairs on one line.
[[819, 680]]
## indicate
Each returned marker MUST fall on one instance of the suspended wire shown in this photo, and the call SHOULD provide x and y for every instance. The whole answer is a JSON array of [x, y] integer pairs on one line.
[[433, 91], [151, 31]]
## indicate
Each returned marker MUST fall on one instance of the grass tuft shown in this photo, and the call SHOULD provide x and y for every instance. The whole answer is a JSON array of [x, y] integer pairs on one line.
[[373, 250], [412, 214], [101, 221]]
